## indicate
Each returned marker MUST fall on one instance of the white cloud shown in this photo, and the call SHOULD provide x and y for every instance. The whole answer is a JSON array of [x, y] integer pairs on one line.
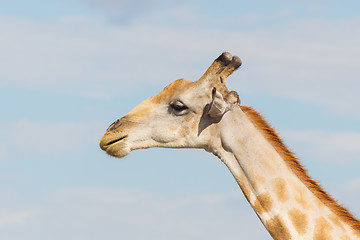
[[25, 138], [98, 213], [354, 185], [90, 213], [348, 193], [329, 146], [122, 11], [310, 60], [16, 218]]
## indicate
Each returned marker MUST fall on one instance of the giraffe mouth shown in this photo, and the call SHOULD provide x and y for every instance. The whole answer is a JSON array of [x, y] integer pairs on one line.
[[105, 144]]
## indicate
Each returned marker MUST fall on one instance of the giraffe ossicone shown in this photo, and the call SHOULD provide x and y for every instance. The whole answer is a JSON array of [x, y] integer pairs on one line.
[[205, 114]]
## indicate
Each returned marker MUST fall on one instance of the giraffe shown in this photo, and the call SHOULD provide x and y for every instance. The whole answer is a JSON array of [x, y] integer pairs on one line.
[[205, 114]]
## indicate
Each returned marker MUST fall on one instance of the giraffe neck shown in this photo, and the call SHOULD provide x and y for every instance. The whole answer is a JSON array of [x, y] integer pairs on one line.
[[283, 202]]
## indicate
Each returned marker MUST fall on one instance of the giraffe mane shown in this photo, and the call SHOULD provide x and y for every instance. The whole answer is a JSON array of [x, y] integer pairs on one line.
[[293, 162]]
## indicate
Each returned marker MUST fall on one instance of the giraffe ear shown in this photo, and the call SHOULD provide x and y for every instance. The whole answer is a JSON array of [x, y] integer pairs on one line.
[[218, 105]]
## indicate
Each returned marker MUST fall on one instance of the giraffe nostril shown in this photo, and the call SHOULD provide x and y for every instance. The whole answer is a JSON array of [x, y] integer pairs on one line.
[[114, 125]]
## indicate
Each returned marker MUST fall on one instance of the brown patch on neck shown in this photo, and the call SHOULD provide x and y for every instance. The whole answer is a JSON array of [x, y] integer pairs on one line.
[[299, 220], [263, 203], [280, 189], [277, 228], [293, 162], [322, 230]]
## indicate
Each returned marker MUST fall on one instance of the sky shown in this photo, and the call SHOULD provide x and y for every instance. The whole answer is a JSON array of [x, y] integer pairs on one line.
[[70, 68]]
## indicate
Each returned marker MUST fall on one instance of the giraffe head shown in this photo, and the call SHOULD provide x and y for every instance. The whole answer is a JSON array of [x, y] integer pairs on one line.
[[183, 115]]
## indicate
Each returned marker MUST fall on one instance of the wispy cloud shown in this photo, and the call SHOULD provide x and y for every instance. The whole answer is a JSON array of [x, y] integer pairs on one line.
[[348, 193], [329, 146], [16, 218], [26, 139], [354, 185], [314, 60], [124, 11], [94, 213]]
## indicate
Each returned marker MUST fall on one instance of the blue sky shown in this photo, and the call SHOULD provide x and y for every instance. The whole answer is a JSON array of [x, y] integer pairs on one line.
[[70, 68]]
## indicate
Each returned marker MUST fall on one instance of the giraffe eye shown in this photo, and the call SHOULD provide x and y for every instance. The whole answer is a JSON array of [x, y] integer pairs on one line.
[[178, 107]]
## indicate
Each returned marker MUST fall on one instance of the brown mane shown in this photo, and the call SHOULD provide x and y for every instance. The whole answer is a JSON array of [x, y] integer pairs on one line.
[[294, 163]]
